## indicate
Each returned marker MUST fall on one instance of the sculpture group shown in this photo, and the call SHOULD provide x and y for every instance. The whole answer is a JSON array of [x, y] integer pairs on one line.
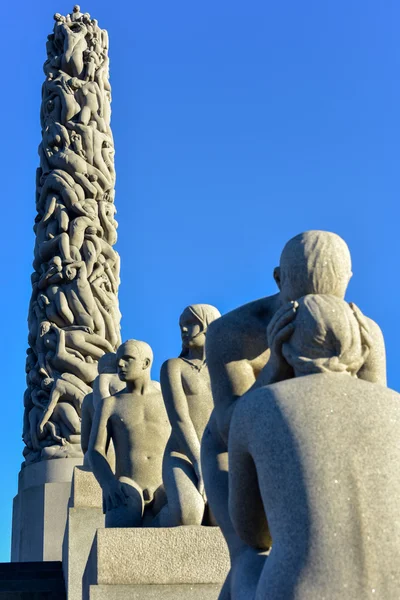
[[274, 422], [269, 429]]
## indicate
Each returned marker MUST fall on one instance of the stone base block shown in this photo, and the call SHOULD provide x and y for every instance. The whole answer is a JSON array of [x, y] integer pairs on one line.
[[85, 516], [153, 563], [199, 591], [40, 510]]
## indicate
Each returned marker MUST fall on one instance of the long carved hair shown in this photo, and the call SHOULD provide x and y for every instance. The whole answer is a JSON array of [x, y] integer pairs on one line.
[[329, 336]]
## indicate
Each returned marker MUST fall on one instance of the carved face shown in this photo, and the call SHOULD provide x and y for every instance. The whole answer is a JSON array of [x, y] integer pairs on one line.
[[191, 330], [130, 363]]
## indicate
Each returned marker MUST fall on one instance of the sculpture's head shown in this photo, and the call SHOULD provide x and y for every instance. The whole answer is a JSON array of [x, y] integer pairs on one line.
[[75, 83], [55, 264], [45, 327], [47, 384], [314, 262], [134, 360], [326, 338], [76, 8], [43, 301], [107, 363], [69, 273], [194, 322], [58, 17]]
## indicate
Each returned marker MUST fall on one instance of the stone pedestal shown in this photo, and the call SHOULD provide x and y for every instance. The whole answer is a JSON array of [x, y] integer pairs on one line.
[[179, 563], [85, 516], [40, 510]]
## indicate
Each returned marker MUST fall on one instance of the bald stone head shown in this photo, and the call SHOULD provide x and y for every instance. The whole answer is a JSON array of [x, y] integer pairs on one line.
[[314, 262], [134, 360]]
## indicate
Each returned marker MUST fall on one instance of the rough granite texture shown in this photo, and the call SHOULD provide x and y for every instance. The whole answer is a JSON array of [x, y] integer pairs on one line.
[[85, 516], [207, 591], [85, 490], [319, 458], [144, 556], [40, 510]]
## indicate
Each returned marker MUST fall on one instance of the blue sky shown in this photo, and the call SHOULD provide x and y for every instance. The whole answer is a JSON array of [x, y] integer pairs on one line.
[[237, 125]]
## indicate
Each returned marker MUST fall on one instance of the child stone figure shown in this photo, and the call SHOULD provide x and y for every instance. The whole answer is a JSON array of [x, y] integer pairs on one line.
[[136, 421]]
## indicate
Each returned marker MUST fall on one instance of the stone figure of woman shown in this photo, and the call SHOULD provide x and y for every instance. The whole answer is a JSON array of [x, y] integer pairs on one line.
[[185, 385], [314, 465]]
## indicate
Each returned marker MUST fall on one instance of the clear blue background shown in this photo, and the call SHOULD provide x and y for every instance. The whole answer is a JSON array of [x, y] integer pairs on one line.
[[237, 125]]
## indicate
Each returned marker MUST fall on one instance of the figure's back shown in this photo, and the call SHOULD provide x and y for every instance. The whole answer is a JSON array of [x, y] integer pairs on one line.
[[327, 452]]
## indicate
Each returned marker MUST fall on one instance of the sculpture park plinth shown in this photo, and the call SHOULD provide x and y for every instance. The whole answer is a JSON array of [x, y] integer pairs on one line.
[[179, 563], [40, 510]]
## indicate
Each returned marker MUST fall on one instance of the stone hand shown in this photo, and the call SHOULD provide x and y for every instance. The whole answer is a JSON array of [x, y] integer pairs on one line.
[[114, 495], [366, 339], [279, 331]]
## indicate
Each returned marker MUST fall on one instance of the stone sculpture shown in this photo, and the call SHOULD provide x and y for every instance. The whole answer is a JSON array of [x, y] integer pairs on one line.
[[238, 349], [136, 421], [73, 315], [186, 389], [315, 462]]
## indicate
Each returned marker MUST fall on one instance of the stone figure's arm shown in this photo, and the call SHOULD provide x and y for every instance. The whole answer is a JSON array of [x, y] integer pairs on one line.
[[103, 382], [279, 331], [98, 443], [178, 411], [113, 492], [230, 378], [99, 99], [86, 426], [54, 397], [246, 507], [374, 368], [109, 229]]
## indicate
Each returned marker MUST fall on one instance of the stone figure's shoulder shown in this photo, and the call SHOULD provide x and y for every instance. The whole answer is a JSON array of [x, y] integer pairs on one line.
[[107, 404], [249, 317], [171, 366], [374, 330]]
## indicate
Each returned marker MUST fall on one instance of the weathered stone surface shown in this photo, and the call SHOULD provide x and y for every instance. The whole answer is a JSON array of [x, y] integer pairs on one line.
[[40, 510], [85, 490], [85, 516], [199, 591], [156, 556], [82, 525], [315, 464]]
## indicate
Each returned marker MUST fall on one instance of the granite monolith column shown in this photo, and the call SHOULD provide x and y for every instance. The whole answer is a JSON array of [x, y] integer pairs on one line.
[[73, 313]]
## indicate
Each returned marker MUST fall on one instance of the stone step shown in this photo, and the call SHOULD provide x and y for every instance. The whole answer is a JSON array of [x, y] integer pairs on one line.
[[32, 584], [39, 568], [32, 596], [32, 581]]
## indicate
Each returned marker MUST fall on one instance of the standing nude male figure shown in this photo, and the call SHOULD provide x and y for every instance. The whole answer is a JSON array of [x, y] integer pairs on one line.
[[314, 262], [136, 421]]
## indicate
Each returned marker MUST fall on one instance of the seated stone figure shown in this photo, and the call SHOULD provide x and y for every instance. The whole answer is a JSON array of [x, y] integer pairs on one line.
[[315, 464], [135, 420], [186, 388], [238, 355]]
